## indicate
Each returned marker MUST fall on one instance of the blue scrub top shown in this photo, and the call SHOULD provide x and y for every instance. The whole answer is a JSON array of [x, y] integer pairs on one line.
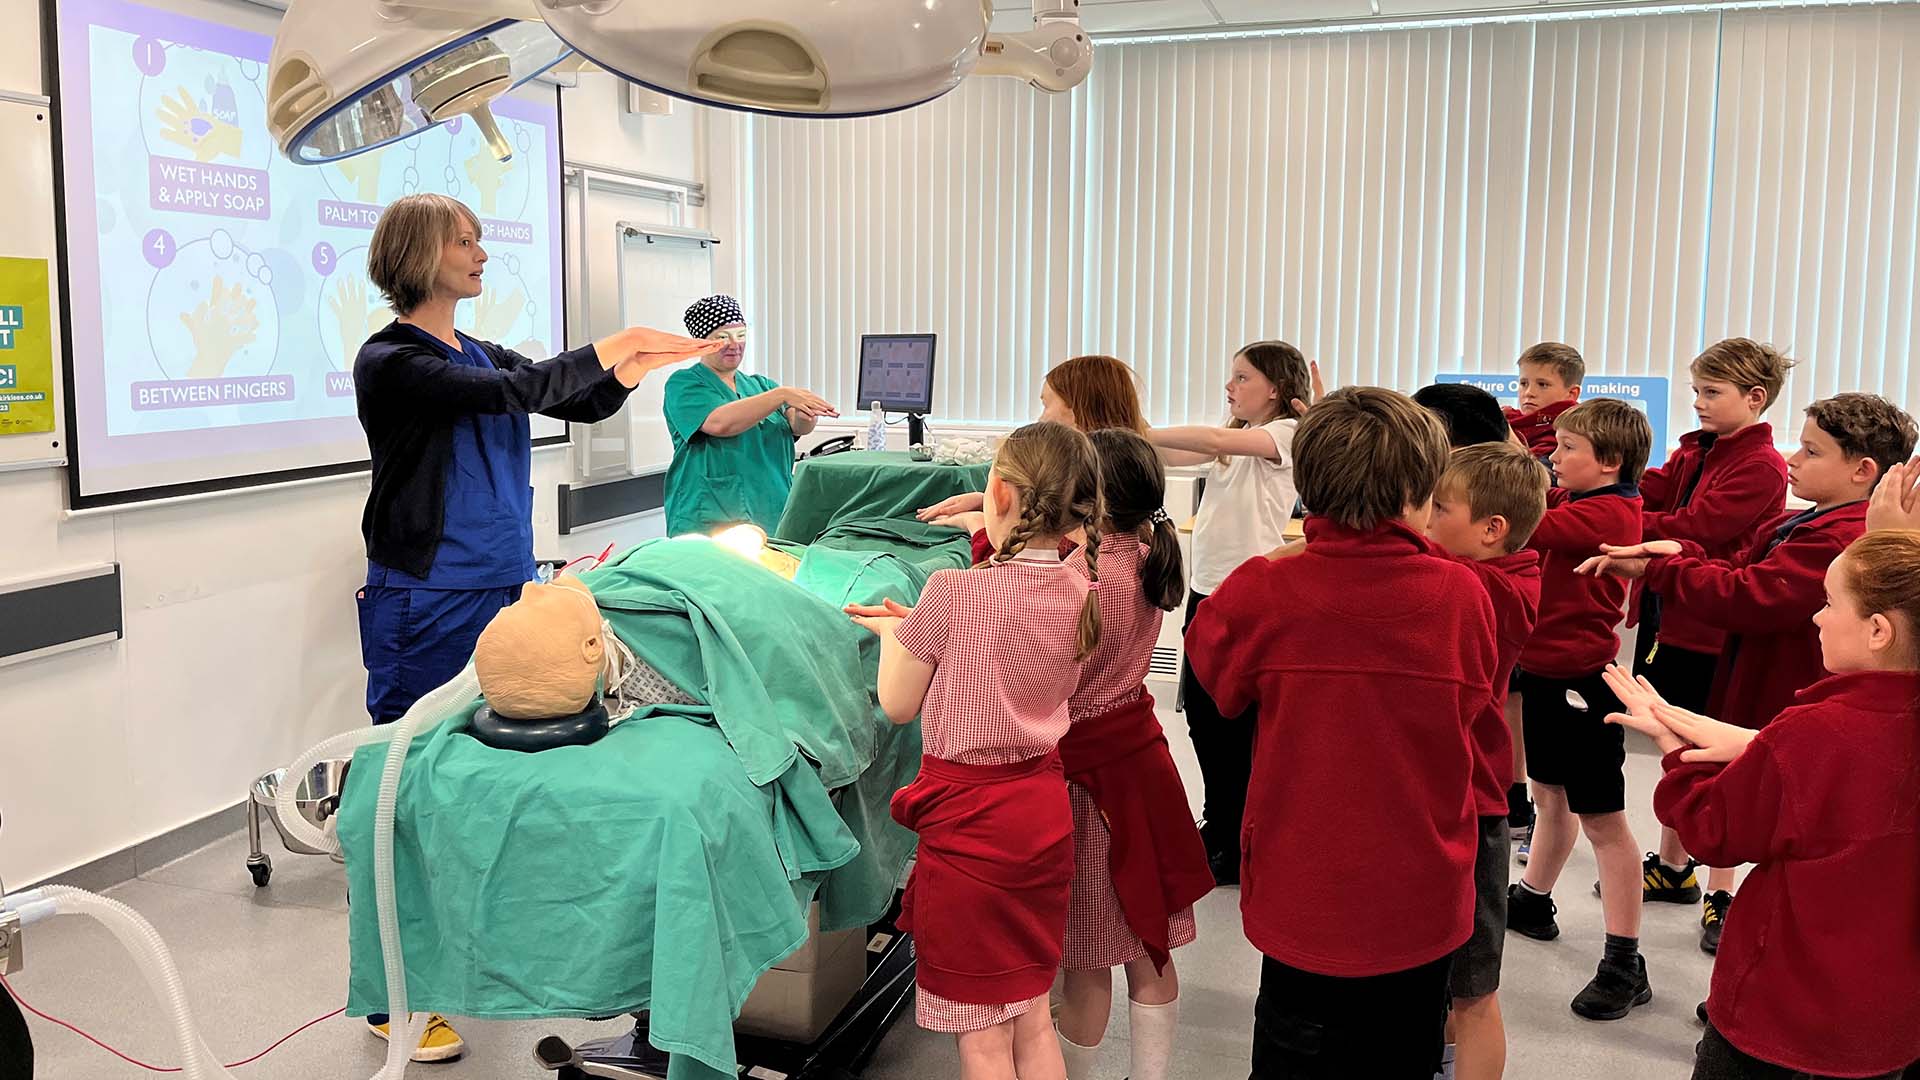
[[486, 541]]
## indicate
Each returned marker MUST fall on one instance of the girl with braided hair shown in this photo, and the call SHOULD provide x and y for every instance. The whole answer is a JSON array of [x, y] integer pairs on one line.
[[1139, 864], [988, 659]]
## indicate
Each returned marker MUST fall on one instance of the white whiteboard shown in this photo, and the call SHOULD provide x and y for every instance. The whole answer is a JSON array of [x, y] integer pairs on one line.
[[26, 190], [661, 272]]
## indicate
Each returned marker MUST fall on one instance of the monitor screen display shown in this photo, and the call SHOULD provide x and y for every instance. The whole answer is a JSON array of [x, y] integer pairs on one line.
[[896, 370]]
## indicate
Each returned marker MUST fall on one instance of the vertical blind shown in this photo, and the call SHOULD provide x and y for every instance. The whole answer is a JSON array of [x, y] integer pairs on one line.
[[1397, 204]]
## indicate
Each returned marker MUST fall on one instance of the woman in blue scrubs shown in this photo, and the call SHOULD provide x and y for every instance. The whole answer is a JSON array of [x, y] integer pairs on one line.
[[449, 522], [732, 431]]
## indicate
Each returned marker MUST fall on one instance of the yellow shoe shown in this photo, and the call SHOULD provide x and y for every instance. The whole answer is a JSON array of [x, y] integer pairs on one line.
[[439, 1043]]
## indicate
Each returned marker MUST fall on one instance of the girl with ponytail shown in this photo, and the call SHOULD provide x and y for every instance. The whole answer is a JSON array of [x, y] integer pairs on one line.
[[1825, 799], [987, 659], [1139, 865]]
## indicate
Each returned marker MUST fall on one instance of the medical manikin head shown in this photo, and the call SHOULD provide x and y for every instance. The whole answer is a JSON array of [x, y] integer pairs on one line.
[[542, 657]]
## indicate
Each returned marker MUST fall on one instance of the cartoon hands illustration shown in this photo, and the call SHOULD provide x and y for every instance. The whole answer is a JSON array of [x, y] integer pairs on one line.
[[184, 122], [357, 316], [489, 175], [222, 324], [363, 172]]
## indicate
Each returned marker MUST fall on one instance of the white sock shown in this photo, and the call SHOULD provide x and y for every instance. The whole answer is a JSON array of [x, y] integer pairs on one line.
[[1079, 1058], [1446, 1064], [1154, 1027]]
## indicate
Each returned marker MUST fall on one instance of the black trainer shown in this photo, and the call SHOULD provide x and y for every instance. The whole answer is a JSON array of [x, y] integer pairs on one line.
[[1530, 914], [1665, 885], [1713, 919], [1614, 991], [1660, 883]]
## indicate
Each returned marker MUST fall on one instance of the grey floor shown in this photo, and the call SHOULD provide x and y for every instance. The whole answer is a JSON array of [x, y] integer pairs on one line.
[[259, 963]]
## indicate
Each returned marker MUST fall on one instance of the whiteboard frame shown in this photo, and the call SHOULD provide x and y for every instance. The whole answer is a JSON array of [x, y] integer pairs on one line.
[[56, 290], [80, 504]]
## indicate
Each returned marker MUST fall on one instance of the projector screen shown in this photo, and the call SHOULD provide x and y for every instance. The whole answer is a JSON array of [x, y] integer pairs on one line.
[[217, 292]]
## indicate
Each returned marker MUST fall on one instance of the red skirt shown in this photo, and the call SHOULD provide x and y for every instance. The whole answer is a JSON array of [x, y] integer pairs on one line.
[[987, 902], [1158, 861]]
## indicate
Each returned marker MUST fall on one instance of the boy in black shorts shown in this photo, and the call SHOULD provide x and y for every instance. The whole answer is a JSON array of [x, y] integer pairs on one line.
[[1574, 756], [1488, 503]]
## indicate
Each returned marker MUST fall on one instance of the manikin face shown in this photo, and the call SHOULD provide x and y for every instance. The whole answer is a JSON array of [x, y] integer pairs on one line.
[[462, 261], [727, 360]]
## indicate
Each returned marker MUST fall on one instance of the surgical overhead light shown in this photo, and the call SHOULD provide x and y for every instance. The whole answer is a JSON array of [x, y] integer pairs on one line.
[[348, 77], [853, 58], [351, 75]]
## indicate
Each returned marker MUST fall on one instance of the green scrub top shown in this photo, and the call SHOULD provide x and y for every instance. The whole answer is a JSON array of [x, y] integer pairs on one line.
[[715, 482]]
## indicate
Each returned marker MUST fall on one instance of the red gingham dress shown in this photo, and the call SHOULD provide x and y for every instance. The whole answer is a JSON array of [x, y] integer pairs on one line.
[[1002, 641], [1098, 936]]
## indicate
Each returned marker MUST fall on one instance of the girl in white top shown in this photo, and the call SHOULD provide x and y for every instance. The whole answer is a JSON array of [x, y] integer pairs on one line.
[[1249, 498]]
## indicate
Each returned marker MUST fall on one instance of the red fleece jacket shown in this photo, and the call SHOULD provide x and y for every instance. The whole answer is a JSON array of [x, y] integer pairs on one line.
[[1826, 802], [1765, 602], [1578, 630], [1740, 489], [1369, 658], [1513, 584], [1536, 427]]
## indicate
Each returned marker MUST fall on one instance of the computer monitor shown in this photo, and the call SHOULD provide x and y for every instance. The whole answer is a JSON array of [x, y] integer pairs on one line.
[[896, 370]]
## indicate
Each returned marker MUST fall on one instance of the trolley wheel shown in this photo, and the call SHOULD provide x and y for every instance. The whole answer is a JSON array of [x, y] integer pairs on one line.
[[262, 872]]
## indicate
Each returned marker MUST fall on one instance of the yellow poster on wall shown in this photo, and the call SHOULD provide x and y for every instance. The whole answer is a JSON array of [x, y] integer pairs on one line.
[[26, 348]]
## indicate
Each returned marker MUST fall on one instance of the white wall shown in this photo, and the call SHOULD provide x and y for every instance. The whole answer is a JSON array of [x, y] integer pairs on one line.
[[241, 643]]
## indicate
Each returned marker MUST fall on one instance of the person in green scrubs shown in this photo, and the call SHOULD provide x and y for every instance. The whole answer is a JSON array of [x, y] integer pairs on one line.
[[732, 431]]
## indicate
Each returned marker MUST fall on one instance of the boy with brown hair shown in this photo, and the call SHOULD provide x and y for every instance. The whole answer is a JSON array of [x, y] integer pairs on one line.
[[1575, 757], [1764, 599], [1486, 507], [1719, 489], [1365, 655], [1549, 383]]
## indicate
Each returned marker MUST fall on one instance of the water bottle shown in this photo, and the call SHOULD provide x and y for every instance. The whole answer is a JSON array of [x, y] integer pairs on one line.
[[876, 428]]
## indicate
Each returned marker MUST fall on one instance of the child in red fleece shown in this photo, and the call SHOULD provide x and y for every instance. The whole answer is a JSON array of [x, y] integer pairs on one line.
[[1825, 797], [1487, 505], [1368, 660], [1549, 382], [1721, 487], [1576, 758], [1763, 600]]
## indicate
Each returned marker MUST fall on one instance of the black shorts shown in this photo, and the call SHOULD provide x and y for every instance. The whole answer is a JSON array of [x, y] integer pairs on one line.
[[1717, 1059], [1683, 677], [1573, 748], [1476, 965], [1323, 1027]]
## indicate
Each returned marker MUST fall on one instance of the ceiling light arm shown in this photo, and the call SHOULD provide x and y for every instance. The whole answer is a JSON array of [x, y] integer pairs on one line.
[[1056, 55]]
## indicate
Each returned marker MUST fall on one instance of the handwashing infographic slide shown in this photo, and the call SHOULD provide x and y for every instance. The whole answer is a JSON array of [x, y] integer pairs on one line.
[[219, 291]]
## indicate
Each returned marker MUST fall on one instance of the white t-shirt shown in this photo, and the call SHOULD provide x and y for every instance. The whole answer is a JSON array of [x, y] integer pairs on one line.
[[1245, 510]]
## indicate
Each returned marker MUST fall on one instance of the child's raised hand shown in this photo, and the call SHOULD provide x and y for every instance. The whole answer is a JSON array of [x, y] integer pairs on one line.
[[1615, 565], [1716, 740], [1319, 386], [1639, 697], [1896, 499], [885, 609]]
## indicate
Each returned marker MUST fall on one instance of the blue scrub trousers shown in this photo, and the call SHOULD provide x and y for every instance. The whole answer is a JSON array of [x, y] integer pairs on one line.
[[416, 640]]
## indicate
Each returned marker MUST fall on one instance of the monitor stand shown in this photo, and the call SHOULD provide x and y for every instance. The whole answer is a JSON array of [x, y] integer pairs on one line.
[[916, 429]]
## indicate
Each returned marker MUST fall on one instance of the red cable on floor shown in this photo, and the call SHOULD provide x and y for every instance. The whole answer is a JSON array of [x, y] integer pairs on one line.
[[156, 1068]]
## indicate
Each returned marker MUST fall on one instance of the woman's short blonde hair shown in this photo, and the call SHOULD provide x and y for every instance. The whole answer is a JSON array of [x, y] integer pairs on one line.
[[403, 259]]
